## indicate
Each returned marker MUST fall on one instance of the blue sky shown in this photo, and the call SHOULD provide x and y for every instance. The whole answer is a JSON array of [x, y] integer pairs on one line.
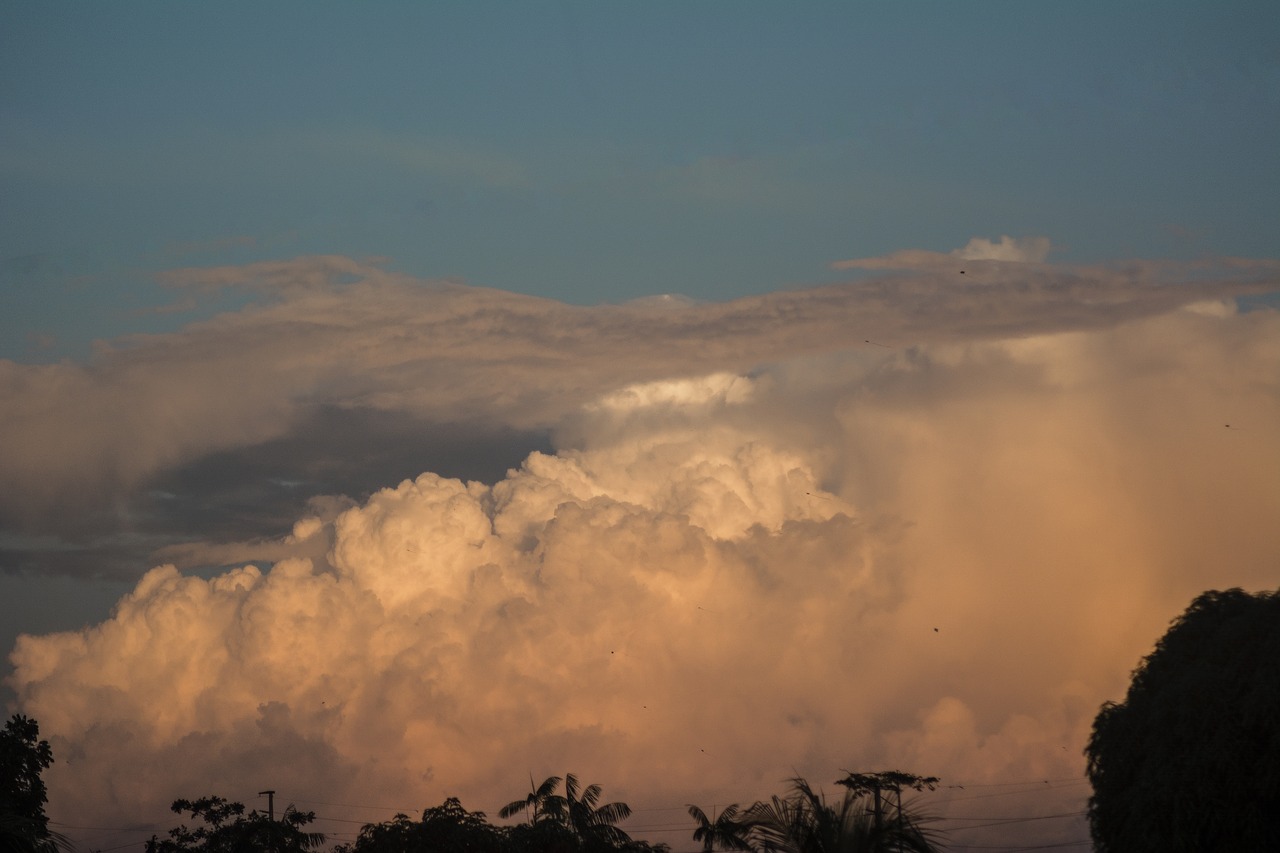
[[598, 152]]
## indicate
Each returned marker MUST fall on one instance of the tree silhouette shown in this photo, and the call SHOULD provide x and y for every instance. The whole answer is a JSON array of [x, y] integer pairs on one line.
[[227, 829], [446, 827], [577, 811], [23, 758], [535, 803], [726, 832], [1191, 759], [803, 822], [876, 785], [449, 828], [590, 821]]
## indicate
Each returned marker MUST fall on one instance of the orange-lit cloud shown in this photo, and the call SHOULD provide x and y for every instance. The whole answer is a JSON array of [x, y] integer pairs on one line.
[[760, 547]]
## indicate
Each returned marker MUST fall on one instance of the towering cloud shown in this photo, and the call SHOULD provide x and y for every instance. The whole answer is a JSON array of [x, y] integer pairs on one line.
[[761, 545]]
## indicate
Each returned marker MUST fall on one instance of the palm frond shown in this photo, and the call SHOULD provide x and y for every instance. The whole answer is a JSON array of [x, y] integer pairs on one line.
[[548, 787], [591, 795], [611, 813]]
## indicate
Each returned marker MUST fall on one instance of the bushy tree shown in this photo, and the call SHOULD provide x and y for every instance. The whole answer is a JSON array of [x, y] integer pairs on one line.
[[23, 758], [227, 829], [446, 827], [1190, 760], [449, 828]]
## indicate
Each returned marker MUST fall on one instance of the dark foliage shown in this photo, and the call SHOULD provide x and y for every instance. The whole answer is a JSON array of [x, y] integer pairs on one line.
[[1190, 761], [535, 804], [24, 828], [727, 831], [887, 780], [450, 828], [578, 811], [227, 829], [804, 822], [446, 827]]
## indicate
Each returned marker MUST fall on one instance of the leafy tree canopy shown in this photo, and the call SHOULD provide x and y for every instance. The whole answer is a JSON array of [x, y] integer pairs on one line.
[[446, 827], [23, 758], [450, 828], [227, 829], [1190, 760], [805, 822], [887, 780]]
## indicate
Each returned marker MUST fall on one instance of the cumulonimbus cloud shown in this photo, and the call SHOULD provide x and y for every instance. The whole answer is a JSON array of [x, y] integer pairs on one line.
[[789, 551]]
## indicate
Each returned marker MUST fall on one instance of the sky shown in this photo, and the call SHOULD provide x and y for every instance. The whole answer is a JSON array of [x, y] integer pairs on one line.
[[398, 402]]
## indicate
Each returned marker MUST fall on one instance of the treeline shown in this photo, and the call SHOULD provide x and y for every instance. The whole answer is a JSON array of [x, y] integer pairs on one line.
[[560, 816], [868, 818]]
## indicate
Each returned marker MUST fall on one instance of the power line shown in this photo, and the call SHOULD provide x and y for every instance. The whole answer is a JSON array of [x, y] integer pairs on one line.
[[1010, 821], [1014, 848], [1038, 817]]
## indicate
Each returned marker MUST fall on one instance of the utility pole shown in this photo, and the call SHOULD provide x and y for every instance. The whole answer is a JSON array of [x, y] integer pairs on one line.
[[897, 789], [271, 804]]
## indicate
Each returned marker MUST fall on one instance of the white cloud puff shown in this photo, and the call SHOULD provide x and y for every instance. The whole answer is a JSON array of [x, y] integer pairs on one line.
[[1033, 250], [1007, 249]]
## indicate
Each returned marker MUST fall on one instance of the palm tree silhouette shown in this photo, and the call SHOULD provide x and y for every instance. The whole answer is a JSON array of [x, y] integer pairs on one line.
[[726, 832], [578, 811], [590, 821], [535, 804]]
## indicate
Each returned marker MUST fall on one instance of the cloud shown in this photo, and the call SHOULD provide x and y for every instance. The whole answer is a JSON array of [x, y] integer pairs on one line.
[[758, 547], [86, 441], [1022, 250], [1027, 250]]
